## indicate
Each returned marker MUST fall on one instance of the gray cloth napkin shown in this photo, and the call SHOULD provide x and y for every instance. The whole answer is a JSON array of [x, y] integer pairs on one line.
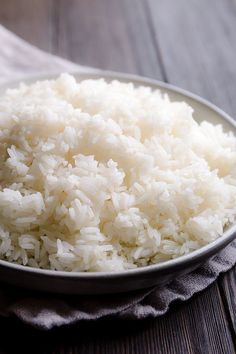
[[19, 59]]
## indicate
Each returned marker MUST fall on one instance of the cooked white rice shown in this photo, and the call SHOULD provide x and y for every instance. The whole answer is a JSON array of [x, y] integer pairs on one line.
[[98, 176]]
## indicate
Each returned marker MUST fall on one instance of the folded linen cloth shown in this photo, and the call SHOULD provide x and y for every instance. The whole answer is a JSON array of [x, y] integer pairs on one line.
[[19, 59]]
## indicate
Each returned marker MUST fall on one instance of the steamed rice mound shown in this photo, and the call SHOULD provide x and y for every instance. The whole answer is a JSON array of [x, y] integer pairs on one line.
[[98, 176]]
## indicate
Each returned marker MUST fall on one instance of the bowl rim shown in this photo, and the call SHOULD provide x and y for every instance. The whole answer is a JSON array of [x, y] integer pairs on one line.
[[208, 250]]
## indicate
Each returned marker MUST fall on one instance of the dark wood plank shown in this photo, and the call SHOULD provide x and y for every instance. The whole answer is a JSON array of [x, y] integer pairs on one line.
[[209, 315], [108, 34], [227, 284], [198, 46], [30, 19]]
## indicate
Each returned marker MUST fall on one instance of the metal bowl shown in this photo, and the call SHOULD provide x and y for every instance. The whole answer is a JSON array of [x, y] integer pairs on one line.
[[143, 277]]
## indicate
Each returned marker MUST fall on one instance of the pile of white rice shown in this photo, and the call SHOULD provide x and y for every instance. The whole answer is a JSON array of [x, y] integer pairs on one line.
[[98, 176]]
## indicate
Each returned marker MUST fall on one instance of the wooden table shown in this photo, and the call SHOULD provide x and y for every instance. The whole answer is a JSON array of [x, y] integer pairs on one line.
[[190, 43]]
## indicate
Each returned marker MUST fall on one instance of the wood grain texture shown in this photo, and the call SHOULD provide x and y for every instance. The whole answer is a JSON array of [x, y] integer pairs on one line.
[[30, 19], [108, 34], [227, 285], [190, 43], [198, 46]]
